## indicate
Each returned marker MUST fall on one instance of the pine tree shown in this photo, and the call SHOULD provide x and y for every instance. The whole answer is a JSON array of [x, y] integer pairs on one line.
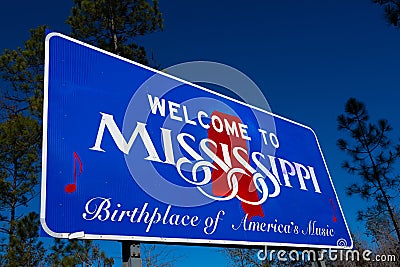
[[19, 169], [391, 9], [22, 75], [373, 158], [28, 249], [113, 25], [20, 141]]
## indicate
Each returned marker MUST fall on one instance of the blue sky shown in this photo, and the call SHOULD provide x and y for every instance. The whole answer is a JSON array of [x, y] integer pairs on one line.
[[308, 57]]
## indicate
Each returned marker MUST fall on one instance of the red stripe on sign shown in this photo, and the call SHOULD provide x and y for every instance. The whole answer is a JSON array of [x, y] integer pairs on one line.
[[224, 130]]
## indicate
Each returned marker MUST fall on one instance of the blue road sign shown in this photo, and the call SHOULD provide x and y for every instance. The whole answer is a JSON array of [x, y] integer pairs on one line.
[[131, 153]]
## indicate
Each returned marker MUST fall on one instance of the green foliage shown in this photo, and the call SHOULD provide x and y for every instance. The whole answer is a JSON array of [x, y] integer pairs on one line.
[[27, 249], [391, 9], [373, 158], [19, 166], [113, 25], [75, 252], [20, 141], [22, 73], [109, 24]]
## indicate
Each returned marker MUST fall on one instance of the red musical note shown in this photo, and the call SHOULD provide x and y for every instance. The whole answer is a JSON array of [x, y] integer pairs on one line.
[[70, 188], [334, 218]]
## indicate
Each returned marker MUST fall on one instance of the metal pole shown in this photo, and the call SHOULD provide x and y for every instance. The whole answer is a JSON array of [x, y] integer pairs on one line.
[[131, 254], [318, 262]]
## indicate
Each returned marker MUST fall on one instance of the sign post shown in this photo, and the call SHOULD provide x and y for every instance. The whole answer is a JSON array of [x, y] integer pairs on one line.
[[131, 254], [131, 153]]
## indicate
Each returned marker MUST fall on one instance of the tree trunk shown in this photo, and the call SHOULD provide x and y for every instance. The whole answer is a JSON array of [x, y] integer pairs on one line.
[[391, 214], [11, 229], [113, 31], [377, 178]]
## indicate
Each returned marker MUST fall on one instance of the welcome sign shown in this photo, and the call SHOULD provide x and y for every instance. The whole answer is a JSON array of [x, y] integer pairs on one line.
[[131, 153]]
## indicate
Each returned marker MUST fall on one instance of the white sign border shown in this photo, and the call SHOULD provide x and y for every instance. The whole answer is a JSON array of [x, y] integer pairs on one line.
[[82, 235]]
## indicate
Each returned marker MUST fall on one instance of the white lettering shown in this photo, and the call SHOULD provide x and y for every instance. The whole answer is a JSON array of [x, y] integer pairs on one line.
[[140, 129], [157, 105]]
